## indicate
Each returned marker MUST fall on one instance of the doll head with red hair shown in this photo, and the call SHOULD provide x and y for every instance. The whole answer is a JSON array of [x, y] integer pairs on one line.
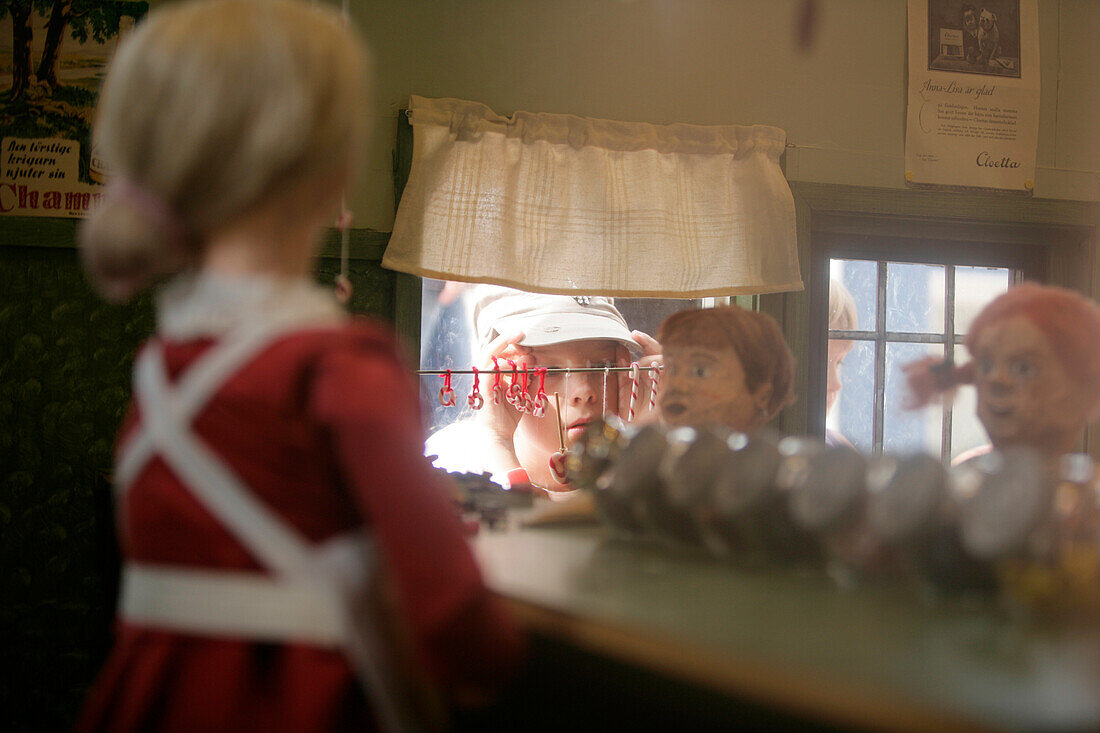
[[726, 366], [1035, 363]]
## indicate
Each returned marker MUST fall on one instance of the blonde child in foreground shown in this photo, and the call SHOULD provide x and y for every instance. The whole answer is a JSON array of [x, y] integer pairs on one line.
[[269, 473]]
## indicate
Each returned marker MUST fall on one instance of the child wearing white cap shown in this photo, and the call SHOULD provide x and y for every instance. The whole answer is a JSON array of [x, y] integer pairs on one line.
[[553, 331]]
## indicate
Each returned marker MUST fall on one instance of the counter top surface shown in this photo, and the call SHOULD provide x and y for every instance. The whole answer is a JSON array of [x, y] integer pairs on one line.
[[873, 655]]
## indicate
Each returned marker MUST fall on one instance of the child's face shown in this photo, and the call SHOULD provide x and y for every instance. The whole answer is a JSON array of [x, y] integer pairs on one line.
[[581, 395], [703, 386], [1025, 396], [838, 350]]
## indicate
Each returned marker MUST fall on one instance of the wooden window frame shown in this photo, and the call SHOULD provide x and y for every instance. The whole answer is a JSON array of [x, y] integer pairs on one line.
[[1055, 241], [948, 335]]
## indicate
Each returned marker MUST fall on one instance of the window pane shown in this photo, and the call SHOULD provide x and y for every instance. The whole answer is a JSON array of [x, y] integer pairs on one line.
[[914, 298], [967, 432], [646, 314], [974, 287], [908, 431], [860, 277], [853, 411], [448, 341]]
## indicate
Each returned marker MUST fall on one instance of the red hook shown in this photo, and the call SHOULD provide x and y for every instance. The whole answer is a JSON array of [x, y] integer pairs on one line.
[[539, 403], [513, 388], [524, 392], [498, 388], [475, 400], [446, 393]]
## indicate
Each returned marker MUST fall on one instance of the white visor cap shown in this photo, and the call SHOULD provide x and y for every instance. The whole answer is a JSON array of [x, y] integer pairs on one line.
[[547, 319]]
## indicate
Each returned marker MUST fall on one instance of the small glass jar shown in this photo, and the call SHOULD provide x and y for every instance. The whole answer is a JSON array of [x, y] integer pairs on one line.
[[1006, 499], [1047, 554], [912, 511], [747, 517], [626, 488], [828, 497], [593, 454], [692, 460]]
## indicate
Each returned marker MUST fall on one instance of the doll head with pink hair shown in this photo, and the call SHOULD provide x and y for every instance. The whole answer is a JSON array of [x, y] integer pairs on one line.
[[1035, 363]]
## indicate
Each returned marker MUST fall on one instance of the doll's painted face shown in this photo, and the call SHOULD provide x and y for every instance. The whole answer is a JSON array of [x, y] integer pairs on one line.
[[1025, 396], [701, 385]]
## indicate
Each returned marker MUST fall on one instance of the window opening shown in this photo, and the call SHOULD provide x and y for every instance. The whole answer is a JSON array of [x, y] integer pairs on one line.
[[904, 311], [448, 340]]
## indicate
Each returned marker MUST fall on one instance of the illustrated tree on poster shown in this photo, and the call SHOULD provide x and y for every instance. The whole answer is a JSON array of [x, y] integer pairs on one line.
[[22, 35], [84, 19], [40, 102]]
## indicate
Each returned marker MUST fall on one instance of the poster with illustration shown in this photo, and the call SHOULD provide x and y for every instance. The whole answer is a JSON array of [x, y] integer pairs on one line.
[[973, 112], [53, 55]]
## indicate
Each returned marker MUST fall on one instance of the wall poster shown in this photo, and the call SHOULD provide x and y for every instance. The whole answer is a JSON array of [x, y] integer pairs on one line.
[[973, 113], [53, 55]]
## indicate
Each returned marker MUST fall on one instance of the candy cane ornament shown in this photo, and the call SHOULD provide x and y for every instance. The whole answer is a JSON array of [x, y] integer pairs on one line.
[[539, 403], [513, 387], [654, 381], [603, 411], [557, 459], [524, 403], [446, 393], [563, 417], [498, 387], [634, 376], [343, 282], [475, 400]]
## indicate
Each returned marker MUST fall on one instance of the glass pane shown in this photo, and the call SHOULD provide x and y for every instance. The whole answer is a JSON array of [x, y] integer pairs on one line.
[[853, 411], [914, 298], [909, 431], [646, 314], [448, 340], [967, 432], [974, 287], [859, 278]]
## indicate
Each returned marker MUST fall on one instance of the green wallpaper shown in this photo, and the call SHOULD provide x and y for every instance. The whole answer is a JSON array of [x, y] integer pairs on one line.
[[64, 383], [64, 373]]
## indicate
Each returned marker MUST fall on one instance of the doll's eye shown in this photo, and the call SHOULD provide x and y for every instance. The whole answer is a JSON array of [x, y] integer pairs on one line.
[[1022, 369]]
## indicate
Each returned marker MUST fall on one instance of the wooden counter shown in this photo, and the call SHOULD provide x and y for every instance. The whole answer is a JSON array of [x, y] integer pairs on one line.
[[868, 657]]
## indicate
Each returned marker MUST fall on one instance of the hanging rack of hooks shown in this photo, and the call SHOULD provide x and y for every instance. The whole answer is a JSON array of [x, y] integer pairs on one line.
[[652, 369], [514, 383]]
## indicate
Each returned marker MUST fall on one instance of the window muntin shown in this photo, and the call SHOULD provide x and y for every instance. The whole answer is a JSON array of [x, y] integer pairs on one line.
[[906, 311]]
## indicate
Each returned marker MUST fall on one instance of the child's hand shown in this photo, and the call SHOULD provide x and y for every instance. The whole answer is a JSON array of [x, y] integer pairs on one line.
[[500, 419]]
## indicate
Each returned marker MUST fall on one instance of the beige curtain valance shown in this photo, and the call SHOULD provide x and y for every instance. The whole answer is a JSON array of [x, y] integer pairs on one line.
[[563, 204]]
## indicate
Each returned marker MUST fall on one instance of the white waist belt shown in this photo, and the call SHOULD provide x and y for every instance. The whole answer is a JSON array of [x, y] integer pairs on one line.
[[232, 604]]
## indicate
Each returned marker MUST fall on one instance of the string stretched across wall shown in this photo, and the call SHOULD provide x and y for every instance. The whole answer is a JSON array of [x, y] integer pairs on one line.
[[562, 204]]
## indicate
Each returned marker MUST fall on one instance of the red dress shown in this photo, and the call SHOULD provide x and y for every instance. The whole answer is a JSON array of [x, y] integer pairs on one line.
[[324, 427]]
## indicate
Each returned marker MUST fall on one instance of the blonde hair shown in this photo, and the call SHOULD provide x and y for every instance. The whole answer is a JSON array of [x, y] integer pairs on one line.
[[842, 308], [208, 109]]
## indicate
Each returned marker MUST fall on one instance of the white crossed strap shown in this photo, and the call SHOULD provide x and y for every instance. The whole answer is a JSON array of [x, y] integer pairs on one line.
[[313, 589]]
